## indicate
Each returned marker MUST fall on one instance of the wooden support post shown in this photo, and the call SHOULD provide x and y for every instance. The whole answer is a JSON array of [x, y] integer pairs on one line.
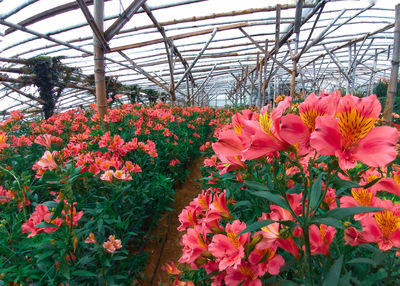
[[297, 25], [372, 77], [170, 55], [260, 103], [264, 86], [255, 103], [99, 72], [245, 84], [276, 89], [349, 64], [354, 67], [392, 88]]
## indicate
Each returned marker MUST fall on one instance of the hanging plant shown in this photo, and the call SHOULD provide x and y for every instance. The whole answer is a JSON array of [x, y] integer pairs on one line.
[[51, 77]]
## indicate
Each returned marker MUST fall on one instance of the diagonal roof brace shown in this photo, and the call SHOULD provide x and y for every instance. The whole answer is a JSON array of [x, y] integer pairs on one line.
[[170, 43], [268, 55], [123, 19], [197, 57], [93, 25]]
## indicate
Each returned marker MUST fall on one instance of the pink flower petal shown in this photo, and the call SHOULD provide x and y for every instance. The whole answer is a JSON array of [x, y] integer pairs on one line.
[[378, 148], [326, 138]]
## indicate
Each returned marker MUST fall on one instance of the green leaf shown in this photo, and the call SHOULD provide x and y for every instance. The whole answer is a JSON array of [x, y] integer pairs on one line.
[[269, 182], [340, 213], [64, 267], [83, 273], [51, 204], [58, 210], [316, 192], [328, 221], [295, 189], [362, 260], [242, 204], [276, 199], [46, 224], [322, 158], [256, 226], [252, 185], [119, 257], [332, 277], [344, 184], [373, 182]]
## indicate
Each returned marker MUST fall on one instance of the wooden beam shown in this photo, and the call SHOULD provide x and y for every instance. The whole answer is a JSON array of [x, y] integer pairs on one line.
[[17, 9], [349, 43], [41, 101], [14, 60], [48, 13], [143, 72], [123, 19], [180, 36], [30, 82], [43, 36]]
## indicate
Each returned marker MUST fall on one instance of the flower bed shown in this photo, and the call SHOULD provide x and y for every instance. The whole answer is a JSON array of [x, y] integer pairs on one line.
[[79, 198], [303, 193]]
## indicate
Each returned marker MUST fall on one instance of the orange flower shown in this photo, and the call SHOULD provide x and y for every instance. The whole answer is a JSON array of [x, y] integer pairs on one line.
[[91, 239], [112, 244]]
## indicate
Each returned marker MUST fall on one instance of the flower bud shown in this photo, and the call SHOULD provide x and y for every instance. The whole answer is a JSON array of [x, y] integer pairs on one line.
[[200, 261]]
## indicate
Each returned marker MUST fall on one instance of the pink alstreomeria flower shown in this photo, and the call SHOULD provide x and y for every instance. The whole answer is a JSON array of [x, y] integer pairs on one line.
[[383, 228], [296, 130], [321, 238], [361, 198], [266, 137], [245, 274], [229, 249], [352, 135], [40, 214], [112, 244], [47, 161], [44, 140], [194, 244]]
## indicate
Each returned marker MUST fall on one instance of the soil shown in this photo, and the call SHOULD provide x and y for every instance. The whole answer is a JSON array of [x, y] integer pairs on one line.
[[172, 250]]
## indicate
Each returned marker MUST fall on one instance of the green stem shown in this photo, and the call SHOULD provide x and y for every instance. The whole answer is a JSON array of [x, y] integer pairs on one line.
[[308, 254], [389, 274], [19, 188]]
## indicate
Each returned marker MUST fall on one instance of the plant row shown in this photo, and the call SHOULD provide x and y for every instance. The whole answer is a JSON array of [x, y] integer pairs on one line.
[[79, 196]]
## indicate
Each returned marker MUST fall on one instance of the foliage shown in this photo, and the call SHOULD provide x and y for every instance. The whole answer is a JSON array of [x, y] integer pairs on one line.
[[297, 196], [380, 89], [79, 200]]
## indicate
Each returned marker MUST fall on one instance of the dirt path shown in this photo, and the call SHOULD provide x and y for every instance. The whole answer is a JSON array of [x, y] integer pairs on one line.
[[172, 249]]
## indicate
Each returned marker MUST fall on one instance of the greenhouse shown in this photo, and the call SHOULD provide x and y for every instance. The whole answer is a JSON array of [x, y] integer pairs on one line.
[[199, 142]]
